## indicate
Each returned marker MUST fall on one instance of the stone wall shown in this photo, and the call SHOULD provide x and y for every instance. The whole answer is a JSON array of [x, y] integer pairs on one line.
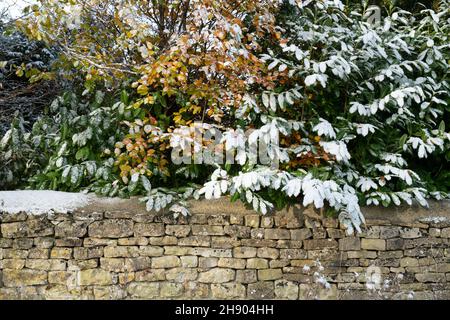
[[116, 250]]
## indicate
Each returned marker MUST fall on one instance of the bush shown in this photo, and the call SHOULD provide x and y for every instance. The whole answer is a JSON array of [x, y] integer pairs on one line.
[[359, 110]]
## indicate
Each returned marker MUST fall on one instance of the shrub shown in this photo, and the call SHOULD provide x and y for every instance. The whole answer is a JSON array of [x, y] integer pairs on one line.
[[359, 109]]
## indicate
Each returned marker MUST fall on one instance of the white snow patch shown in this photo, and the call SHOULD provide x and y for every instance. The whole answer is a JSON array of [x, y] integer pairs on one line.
[[42, 201], [434, 219]]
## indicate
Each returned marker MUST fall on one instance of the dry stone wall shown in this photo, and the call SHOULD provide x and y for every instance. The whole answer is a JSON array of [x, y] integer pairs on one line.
[[223, 251]]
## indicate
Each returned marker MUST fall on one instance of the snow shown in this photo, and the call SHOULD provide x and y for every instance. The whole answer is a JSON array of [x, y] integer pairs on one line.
[[434, 219], [42, 201]]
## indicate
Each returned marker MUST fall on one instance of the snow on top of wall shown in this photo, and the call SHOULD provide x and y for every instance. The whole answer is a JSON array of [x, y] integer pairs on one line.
[[41, 201]]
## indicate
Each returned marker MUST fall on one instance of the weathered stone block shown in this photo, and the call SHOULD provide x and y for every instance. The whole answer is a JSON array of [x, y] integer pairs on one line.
[[301, 234], [121, 251], [293, 254], [95, 242], [244, 252], [23, 277], [219, 220], [109, 293], [233, 263], [434, 232], [258, 243], [144, 217], [126, 277], [269, 274], [237, 231], [166, 262], [111, 228], [246, 276], [88, 253], [324, 254], [350, 244], [269, 253], [13, 230], [176, 251], [119, 215], [196, 290], [61, 253], [149, 229], [68, 279], [267, 222], [261, 290], [39, 253], [390, 254], [431, 277], [395, 244], [288, 220], [409, 262], [390, 262], [94, 277], [69, 242], [181, 275], [228, 291], [61, 292], [39, 227], [410, 233], [319, 244], [224, 242], [125, 264], [82, 264], [302, 263], [236, 219], [13, 217], [189, 261], [372, 232], [252, 220], [163, 241], [143, 290], [44, 242], [6, 243], [12, 263], [330, 222], [134, 241], [206, 230], [319, 233], [46, 264], [151, 275], [210, 252], [169, 289], [87, 216], [199, 219], [286, 290], [310, 292], [289, 244], [335, 233], [216, 275], [195, 241], [71, 229], [445, 233], [373, 244], [275, 234], [257, 263], [388, 232], [208, 263], [179, 231], [22, 243], [151, 251]]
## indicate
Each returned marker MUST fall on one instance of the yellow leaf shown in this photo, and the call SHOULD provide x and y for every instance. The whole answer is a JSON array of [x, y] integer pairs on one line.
[[142, 90]]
